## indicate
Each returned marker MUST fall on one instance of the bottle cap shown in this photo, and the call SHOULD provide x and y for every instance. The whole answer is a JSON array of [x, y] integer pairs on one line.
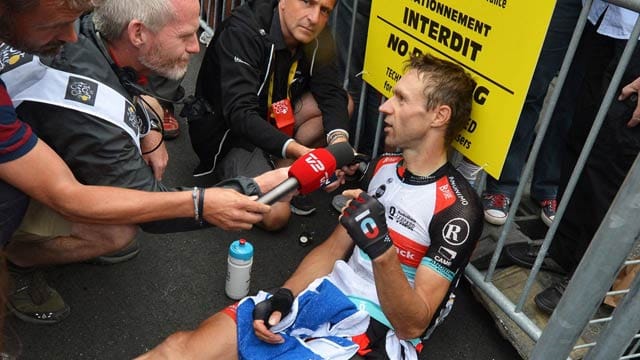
[[241, 249], [304, 238]]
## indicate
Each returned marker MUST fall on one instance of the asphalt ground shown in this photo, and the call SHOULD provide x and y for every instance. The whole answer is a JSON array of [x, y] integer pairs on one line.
[[120, 311]]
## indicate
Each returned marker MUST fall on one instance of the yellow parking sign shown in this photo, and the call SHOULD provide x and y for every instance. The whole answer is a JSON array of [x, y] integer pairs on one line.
[[497, 41]]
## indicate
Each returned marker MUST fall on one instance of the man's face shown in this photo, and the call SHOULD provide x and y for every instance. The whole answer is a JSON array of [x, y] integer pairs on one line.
[[302, 20], [168, 51], [407, 119], [42, 30]]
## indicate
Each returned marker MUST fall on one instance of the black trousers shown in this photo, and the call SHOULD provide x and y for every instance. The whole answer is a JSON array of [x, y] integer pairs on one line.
[[613, 153]]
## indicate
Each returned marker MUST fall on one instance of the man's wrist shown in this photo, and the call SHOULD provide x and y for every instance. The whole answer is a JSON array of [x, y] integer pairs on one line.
[[295, 150], [375, 249], [337, 135]]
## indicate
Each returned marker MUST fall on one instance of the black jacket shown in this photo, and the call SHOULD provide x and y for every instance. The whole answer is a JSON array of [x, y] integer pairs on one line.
[[235, 75]]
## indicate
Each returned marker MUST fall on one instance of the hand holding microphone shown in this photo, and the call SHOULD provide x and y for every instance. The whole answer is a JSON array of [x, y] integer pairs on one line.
[[311, 171]]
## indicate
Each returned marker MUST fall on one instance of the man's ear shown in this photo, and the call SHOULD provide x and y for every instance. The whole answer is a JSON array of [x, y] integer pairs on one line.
[[135, 31], [443, 114]]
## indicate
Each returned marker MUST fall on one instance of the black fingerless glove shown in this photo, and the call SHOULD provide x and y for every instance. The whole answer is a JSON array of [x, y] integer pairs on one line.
[[365, 221], [281, 301]]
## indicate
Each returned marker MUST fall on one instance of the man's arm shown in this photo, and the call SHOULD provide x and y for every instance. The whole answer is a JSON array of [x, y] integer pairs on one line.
[[319, 262], [240, 79], [409, 310], [54, 185]]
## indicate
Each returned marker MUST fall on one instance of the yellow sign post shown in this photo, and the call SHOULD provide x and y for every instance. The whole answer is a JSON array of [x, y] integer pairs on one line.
[[497, 41]]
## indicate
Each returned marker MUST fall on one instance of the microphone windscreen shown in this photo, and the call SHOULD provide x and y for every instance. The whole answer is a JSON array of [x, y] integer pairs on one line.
[[342, 152], [313, 169]]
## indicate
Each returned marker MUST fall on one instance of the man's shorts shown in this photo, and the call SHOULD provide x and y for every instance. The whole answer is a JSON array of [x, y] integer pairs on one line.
[[241, 162], [41, 223]]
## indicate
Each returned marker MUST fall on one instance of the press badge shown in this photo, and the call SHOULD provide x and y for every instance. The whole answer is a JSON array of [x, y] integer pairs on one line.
[[282, 114]]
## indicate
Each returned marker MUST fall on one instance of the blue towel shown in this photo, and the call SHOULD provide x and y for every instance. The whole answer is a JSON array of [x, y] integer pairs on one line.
[[321, 311]]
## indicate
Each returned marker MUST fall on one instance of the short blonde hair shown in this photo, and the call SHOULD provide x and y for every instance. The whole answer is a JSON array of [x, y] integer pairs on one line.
[[113, 16]]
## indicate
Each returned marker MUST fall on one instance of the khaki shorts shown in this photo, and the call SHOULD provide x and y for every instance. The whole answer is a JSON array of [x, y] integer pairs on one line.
[[41, 223]]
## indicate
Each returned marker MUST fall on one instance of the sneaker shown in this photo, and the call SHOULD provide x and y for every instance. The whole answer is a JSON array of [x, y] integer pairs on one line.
[[548, 299], [119, 256], [170, 125], [496, 208], [524, 255], [548, 211], [301, 205], [32, 300], [339, 201]]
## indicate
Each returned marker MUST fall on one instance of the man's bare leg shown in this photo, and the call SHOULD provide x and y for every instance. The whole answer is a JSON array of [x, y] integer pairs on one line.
[[215, 338], [85, 242]]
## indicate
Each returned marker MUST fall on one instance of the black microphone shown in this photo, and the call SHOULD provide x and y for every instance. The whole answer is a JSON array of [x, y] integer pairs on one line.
[[311, 171]]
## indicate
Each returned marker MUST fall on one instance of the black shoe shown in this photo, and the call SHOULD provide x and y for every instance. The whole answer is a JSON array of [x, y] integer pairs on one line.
[[524, 255], [301, 205], [119, 256], [32, 300], [549, 298]]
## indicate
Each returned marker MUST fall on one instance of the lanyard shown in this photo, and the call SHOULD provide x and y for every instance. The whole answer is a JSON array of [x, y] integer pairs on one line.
[[292, 74]]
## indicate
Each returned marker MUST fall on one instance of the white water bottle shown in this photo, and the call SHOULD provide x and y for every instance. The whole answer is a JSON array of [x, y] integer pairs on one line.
[[239, 269]]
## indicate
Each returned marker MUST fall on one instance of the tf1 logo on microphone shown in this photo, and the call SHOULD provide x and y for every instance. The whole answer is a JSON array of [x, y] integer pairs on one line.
[[315, 163]]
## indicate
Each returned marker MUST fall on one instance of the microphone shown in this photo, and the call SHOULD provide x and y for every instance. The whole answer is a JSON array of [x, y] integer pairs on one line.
[[311, 171]]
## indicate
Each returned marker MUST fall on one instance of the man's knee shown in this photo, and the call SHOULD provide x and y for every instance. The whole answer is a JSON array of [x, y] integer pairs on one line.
[[277, 218], [173, 347]]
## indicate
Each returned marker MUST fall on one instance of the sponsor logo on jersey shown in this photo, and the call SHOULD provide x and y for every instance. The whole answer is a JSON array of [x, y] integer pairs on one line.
[[454, 186], [445, 256], [447, 253], [401, 218], [380, 191], [409, 252], [11, 58], [81, 90], [445, 196], [456, 231]]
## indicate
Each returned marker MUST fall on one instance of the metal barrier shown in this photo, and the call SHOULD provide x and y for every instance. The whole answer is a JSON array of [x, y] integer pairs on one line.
[[616, 236]]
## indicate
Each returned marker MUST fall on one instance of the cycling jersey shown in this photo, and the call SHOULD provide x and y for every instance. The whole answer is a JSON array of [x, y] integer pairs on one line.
[[434, 221]]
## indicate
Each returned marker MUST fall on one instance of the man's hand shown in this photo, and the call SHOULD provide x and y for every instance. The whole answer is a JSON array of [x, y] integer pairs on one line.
[[341, 174], [230, 210], [294, 150], [364, 220], [269, 312], [271, 179], [158, 158], [632, 89]]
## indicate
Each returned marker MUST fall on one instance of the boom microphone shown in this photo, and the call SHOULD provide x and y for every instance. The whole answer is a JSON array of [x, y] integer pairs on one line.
[[311, 171]]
